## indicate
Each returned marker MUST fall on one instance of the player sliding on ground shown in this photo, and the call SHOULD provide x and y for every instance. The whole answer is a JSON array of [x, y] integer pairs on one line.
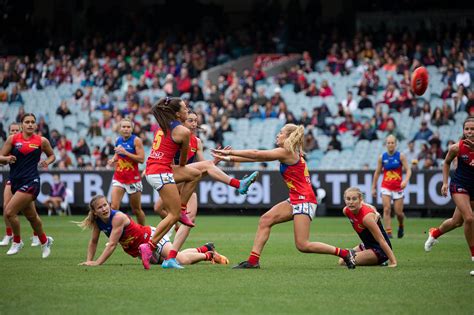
[[375, 248], [300, 207], [121, 229]]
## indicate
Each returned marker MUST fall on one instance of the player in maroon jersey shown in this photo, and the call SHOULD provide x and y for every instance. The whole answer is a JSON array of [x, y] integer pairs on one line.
[[23, 152], [121, 229], [7, 196], [301, 205], [375, 248], [461, 188]]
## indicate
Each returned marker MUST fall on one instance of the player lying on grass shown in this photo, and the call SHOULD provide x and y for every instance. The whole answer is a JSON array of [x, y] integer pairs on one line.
[[375, 248], [121, 229]]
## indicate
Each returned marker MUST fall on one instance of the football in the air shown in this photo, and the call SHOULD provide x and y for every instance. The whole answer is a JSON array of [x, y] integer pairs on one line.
[[419, 81]]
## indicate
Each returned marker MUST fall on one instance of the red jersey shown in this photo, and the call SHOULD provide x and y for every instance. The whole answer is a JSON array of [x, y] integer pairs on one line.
[[133, 235], [392, 171], [357, 221], [163, 151], [297, 179], [126, 171]]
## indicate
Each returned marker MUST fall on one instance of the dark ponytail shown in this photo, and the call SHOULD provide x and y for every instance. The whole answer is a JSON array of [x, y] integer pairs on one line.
[[165, 111]]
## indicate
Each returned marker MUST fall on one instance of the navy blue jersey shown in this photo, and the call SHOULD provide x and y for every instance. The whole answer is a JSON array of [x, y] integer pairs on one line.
[[106, 227], [464, 174], [28, 154]]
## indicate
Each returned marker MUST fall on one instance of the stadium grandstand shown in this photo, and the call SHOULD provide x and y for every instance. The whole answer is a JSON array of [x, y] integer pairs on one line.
[[349, 91]]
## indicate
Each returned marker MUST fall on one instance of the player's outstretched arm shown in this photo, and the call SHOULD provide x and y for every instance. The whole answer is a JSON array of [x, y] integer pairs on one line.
[[92, 248]]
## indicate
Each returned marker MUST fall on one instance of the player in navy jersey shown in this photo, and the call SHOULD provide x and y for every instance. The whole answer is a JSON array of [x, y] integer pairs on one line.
[[23, 152], [375, 248], [128, 154], [461, 186], [7, 196], [301, 204], [121, 229]]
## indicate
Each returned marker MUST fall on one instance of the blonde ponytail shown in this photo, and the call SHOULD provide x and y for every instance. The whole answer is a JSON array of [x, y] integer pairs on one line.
[[295, 138]]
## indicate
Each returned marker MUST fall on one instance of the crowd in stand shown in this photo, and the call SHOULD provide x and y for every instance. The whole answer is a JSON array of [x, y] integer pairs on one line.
[[175, 69]]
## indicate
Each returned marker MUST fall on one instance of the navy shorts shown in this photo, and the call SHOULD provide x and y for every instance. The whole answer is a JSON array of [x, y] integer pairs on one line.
[[457, 188], [29, 186], [381, 256]]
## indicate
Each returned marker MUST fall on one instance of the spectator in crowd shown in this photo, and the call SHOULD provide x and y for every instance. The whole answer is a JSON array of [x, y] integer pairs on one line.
[[43, 128], [447, 111], [426, 112], [105, 104], [63, 110], [334, 144], [411, 153], [460, 99], [368, 132], [57, 196], [305, 120], [448, 91], [325, 89], [392, 129], [463, 77], [349, 104], [437, 118], [15, 96], [261, 99], [94, 129], [424, 151], [424, 133], [312, 89], [81, 148], [108, 150], [310, 142], [350, 125], [428, 163], [64, 161], [64, 143], [21, 113], [470, 104], [365, 101], [415, 110]]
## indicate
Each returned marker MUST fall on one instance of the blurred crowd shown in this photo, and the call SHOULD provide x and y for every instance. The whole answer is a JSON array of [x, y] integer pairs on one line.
[[174, 68]]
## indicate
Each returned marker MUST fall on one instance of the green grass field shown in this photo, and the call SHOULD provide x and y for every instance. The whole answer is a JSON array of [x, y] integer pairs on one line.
[[288, 283]]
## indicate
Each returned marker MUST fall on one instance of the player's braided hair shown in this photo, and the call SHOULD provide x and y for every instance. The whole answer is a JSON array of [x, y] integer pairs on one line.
[[295, 138], [165, 111]]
